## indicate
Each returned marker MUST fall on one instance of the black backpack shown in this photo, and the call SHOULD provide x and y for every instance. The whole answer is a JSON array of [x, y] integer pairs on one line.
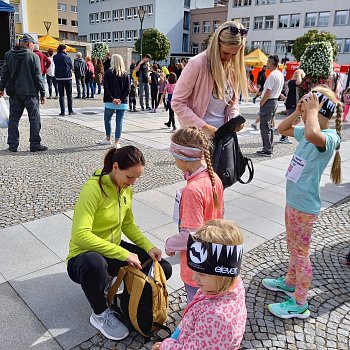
[[228, 160]]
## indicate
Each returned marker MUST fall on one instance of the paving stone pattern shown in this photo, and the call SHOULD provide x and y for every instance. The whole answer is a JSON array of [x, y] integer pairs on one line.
[[37, 185], [328, 328]]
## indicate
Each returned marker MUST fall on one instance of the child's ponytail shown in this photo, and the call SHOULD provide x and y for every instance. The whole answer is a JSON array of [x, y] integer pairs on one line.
[[336, 166]]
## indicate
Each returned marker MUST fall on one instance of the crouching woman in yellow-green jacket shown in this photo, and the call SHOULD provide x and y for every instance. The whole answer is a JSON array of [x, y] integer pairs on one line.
[[102, 213]]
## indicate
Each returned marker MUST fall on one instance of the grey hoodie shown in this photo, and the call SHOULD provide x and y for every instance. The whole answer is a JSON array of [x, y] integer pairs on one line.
[[29, 79]]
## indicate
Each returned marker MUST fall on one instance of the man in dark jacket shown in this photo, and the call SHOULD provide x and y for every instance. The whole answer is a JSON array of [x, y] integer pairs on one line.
[[23, 66], [63, 75], [261, 82], [141, 70], [80, 68]]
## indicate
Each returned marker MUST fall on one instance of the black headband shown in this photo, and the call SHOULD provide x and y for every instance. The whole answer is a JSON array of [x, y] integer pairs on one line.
[[328, 106], [214, 259]]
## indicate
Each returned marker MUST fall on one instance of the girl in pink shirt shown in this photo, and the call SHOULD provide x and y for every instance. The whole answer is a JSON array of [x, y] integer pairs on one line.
[[216, 318], [168, 92], [201, 200]]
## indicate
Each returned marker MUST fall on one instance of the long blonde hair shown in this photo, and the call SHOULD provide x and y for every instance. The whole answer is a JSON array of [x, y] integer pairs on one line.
[[194, 137], [233, 71], [336, 166], [220, 232], [117, 65]]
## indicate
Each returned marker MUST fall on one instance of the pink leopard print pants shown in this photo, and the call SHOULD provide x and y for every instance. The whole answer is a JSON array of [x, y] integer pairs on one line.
[[299, 228]]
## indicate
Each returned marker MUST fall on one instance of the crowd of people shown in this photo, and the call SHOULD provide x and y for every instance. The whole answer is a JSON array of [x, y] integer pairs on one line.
[[204, 95]]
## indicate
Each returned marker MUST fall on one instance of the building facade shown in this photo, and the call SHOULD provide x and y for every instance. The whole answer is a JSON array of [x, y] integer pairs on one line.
[[204, 22], [68, 19], [275, 24], [117, 22], [30, 16]]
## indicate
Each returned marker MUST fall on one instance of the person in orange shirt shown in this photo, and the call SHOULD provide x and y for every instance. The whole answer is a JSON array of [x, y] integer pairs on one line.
[[201, 200]]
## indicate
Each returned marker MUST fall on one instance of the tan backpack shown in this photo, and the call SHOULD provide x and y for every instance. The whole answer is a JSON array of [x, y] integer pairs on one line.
[[144, 301]]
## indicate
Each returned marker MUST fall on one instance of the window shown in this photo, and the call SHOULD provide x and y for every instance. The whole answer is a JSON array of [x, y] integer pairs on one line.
[[241, 3], [323, 19], [134, 35], [256, 44], [185, 42], [341, 18], [74, 8], [216, 25], [106, 37], [129, 13], [340, 45], [258, 22], [281, 47], [94, 18], [73, 36], [246, 22], [347, 46], [118, 36], [295, 20], [290, 0], [265, 2], [195, 27], [74, 23], [61, 7], [266, 46], [63, 35], [310, 19], [135, 14], [106, 16], [94, 37], [269, 22], [187, 3], [118, 15], [186, 22], [82, 38], [283, 21], [149, 10], [194, 49], [62, 21], [17, 18], [129, 36], [206, 27]]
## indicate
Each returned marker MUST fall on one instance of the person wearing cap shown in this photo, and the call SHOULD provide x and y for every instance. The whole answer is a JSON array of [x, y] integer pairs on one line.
[[206, 94], [63, 75], [23, 67]]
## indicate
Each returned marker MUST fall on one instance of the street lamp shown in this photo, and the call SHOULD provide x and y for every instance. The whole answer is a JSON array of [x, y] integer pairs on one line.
[[141, 13]]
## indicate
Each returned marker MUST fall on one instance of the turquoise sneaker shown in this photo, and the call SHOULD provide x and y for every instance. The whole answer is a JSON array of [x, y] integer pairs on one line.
[[289, 309], [278, 285]]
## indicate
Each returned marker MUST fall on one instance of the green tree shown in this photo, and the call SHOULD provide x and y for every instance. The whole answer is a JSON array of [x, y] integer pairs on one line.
[[100, 50], [311, 37], [154, 43], [206, 41]]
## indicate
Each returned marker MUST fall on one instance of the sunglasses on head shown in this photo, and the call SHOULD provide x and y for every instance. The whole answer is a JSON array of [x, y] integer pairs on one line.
[[235, 31]]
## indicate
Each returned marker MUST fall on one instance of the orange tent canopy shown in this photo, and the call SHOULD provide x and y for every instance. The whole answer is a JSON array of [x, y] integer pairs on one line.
[[48, 42]]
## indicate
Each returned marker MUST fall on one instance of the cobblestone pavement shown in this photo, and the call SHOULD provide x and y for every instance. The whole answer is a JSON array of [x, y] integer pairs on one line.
[[328, 328], [39, 185]]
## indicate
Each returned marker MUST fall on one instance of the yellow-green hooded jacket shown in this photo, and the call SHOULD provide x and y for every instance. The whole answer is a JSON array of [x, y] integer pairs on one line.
[[99, 221]]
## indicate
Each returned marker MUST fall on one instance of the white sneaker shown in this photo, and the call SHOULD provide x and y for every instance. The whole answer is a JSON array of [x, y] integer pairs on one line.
[[108, 324], [104, 142], [117, 145]]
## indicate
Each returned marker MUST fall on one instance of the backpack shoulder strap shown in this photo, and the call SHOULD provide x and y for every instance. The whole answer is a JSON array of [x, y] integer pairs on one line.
[[251, 172], [249, 162], [113, 290]]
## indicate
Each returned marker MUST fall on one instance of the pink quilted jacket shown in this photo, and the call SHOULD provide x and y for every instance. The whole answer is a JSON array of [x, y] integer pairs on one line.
[[212, 322]]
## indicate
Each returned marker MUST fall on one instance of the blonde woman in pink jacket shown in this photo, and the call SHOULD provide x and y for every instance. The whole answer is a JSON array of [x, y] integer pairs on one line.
[[206, 94]]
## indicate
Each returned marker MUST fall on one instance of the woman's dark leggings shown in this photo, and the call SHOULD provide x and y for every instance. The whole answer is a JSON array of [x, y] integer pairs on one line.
[[171, 116], [91, 270], [154, 97]]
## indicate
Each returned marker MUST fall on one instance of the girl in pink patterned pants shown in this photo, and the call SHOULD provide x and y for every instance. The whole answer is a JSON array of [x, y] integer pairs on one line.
[[317, 143]]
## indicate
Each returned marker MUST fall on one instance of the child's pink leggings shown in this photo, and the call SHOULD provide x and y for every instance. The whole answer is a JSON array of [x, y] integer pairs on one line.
[[299, 228], [346, 111]]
